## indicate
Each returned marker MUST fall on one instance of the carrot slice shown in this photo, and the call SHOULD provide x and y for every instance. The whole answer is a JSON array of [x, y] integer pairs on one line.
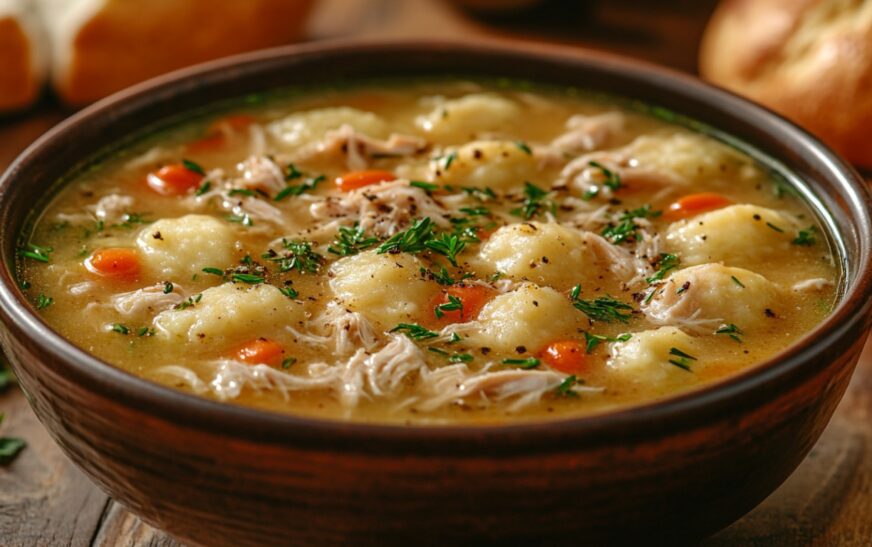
[[695, 204], [117, 262], [472, 299], [567, 356], [260, 351], [359, 179], [174, 180]]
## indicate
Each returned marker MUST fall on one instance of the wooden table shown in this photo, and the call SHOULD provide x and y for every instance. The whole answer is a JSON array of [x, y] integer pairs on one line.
[[45, 500]]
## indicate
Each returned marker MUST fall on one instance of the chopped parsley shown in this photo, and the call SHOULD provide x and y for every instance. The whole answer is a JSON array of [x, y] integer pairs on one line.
[[626, 228], [682, 360], [611, 180], [442, 277], [604, 308], [594, 340], [565, 387], [120, 329], [350, 241], [449, 159], [448, 245], [736, 281], [288, 361], [730, 330], [665, 263], [213, 271], [774, 227], [190, 302], [482, 194], [203, 188], [452, 357], [426, 186], [290, 292], [36, 252], [806, 237], [43, 301], [414, 331], [412, 240], [144, 331], [523, 147], [454, 304], [528, 363], [167, 287], [241, 192], [291, 172], [251, 279], [298, 189], [193, 167], [298, 255], [533, 203]]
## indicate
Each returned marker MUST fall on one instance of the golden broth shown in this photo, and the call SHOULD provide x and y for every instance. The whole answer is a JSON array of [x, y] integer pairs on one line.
[[604, 258]]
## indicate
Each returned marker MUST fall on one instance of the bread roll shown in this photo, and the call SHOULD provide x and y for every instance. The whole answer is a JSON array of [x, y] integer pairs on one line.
[[22, 58], [101, 46], [810, 60]]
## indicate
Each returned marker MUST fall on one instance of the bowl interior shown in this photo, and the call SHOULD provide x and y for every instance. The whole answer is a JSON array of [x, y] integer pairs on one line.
[[831, 187]]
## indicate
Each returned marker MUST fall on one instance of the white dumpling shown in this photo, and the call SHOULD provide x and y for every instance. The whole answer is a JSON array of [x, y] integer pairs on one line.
[[302, 128], [711, 294], [645, 357], [686, 157], [387, 288], [738, 235], [459, 120], [525, 320], [229, 314], [493, 164], [177, 248], [551, 254]]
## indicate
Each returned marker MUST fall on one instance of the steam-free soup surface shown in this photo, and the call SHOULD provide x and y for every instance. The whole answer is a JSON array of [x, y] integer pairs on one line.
[[445, 252]]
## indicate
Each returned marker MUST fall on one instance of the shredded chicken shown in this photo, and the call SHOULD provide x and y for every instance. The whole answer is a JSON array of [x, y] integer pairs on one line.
[[383, 209], [584, 134], [358, 148], [260, 173], [815, 284], [151, 299]]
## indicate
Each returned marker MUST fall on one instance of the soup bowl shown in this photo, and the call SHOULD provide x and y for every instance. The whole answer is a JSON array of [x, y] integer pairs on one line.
[[218, 474]]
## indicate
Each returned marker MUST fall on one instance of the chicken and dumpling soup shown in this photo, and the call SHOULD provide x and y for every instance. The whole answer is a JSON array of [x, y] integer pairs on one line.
[[437, 252]]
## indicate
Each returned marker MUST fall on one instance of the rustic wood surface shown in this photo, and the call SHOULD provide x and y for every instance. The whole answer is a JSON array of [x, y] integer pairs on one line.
[[45, 500]]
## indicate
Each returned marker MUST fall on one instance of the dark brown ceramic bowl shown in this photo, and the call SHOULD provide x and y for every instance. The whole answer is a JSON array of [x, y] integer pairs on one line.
[[222, 475]]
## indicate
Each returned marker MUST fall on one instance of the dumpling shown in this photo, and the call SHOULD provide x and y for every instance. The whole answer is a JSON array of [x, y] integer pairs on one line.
[[738, 235], [525, 320], [494, 164], [177, 248], [711, 294], [551, 254], [664, 356], [459, 120], [229, 314], [387, 288], [303, 128]]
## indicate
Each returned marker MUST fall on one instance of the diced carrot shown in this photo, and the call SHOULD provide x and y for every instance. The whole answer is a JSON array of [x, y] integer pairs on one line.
[[117, 262], [472, 299], [359, 179], [209, 143], [695, 204], [260, 351], [174, 180], [567, 356]]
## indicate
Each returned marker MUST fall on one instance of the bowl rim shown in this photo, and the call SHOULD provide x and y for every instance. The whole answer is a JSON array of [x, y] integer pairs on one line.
[[638, 421]]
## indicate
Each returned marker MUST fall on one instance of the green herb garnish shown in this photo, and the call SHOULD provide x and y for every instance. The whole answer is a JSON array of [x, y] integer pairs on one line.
[[448, 245], [120, 329], [194, 167], [298, 255], [426, 186], [214, 271], [736, 281], [350, 241], [414, 331], [604, 308], [626, 229], [730, 330], [203, 188], [36, 252], [528, 363], [288, 361], [565, 387], [665, 263], [290, 292], [533, 203], [251, 279], [594, 340], [612, 179], [43, 301], [298, 189], [167, 287], [453, 304], [806, 237], [410, 241], [683, 360], [522, 146]]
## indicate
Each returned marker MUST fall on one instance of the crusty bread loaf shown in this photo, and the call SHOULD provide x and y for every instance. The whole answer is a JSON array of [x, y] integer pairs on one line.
[[810, 60], [22, 54], [101, 46]]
